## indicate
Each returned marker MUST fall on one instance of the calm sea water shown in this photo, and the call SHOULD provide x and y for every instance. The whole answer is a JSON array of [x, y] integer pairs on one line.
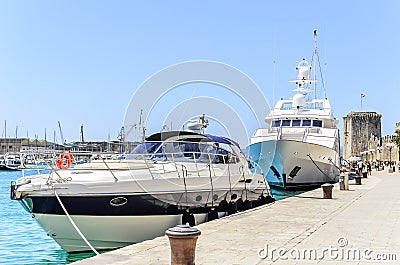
[[23, 241]]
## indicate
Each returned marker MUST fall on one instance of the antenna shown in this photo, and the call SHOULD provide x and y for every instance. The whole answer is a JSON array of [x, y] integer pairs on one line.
[[314, 64], [274, 82], [142, 125]]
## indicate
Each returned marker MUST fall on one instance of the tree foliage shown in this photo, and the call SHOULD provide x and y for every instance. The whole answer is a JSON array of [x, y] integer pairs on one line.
[[396, 140]]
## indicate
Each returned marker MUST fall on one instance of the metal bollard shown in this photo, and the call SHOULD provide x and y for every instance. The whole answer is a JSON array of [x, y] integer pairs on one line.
[[182, 239], [327, 190]]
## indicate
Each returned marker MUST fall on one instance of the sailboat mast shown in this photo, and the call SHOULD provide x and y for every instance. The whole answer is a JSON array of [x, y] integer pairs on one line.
[[314, 64]]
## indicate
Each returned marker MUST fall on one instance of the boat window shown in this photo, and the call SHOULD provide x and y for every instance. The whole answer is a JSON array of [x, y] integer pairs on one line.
[[295, 123], [276, 123], [146, 148], [315, 105], [217, 154], [306, 123], [317, 123], [190, 150], [286, 123], [287, 105]]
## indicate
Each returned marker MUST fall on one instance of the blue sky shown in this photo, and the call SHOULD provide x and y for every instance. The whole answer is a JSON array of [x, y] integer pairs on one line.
[[79, 62]]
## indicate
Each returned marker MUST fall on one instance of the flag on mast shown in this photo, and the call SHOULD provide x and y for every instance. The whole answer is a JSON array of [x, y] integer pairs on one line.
[[362, 95]]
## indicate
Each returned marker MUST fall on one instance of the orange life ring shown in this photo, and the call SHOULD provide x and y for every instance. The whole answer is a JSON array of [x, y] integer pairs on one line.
[[68, 157]]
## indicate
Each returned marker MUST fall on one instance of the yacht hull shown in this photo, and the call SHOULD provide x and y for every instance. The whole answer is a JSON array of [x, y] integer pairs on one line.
[[135, 219], [116, 231], [289, 164]]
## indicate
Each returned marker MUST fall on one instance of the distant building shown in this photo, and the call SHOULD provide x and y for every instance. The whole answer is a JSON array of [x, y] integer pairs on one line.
[[101, 147], [362, 137], [362, 132], [10, 145], [29, 146], [387, 151]]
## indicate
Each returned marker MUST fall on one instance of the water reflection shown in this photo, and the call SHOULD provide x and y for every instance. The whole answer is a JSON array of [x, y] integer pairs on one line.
[[280, 194]]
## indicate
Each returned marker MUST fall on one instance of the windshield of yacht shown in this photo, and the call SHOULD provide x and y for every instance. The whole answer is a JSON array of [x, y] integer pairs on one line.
[[200, 152], [147, 148], [185, 151]]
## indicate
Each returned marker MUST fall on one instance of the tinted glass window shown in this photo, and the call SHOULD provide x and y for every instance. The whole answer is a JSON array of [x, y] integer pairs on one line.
[[296, 123], [317, 123], [276, 124], [306, 123], [286, 123]]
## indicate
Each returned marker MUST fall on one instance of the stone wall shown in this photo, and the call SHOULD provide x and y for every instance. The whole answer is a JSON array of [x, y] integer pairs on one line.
[[359, 129], [384, 153]]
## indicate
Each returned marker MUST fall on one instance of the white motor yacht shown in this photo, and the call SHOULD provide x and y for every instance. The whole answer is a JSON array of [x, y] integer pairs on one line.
[[299, 148], [171, 178]]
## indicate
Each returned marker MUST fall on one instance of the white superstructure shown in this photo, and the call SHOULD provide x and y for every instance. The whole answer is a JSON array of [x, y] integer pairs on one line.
[[300, 145]]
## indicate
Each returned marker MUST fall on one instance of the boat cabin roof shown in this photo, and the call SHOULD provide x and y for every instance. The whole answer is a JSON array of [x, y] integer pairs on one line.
[[189, 136]]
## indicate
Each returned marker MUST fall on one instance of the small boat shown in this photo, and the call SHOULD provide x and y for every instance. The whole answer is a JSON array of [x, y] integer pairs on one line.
[[10, 162], [171, 178], [299, 148]]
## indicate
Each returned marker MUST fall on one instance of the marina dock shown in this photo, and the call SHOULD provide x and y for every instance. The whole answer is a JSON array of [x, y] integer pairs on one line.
[[357, 226]]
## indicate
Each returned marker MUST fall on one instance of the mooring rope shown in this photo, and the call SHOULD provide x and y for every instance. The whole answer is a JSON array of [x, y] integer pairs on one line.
[[74, 225], [330, 160], [319, 168]]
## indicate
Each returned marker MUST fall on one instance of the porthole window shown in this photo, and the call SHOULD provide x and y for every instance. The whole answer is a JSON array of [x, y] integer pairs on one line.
[[118, 201]]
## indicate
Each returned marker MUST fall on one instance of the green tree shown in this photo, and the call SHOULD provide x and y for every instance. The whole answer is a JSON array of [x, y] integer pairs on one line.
[[396, 140]]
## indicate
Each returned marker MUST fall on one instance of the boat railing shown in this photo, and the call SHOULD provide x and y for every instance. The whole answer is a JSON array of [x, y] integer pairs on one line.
[[315, 130], [279, 134], [166, 160], [273, 130], [258, 170], [200, 161], [305, 135]]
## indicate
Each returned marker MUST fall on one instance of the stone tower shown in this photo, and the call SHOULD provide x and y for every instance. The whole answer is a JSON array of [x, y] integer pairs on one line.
[[359, 129]]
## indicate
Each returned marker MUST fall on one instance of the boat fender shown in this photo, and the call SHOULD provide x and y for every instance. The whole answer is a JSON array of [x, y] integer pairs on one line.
[[256, 203], [68, 157], [212, 215], [239, 204], [222, 206], [188, 218], [232, 207], [262, 200], [247, 205], [270, 199]]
